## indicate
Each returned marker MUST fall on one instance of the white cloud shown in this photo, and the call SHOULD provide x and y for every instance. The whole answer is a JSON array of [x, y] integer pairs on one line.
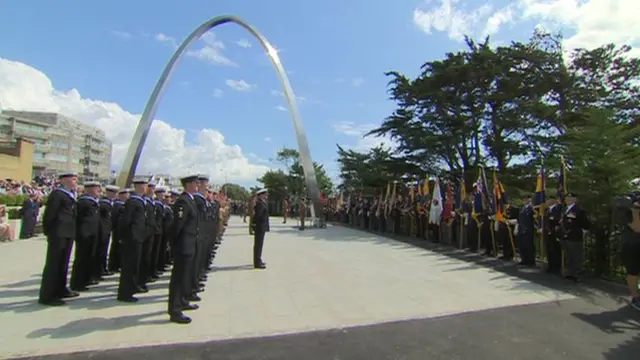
[[357, 131], [25, 88], [281, 108], [592, 23], [160, 37], [243, 43], [595, 22], [267, 139], [210, 51], [121, 34], [240, 85], [217, 93]]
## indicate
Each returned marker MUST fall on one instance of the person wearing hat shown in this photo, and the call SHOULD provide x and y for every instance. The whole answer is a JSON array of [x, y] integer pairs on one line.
[[156, 266], [87, 234], [59, 225], [106, 224], [553, 214], [185, 237], [205, 238], [575, 221], [260, 227], [302, 211], [525, 231], [114, 263], [167, 222], [29, 216], [132, 226], [251, 206], [145, 274]]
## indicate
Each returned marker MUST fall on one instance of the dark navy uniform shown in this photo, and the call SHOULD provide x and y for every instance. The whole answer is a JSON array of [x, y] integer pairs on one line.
[[87, 233], [526, 232], [165, 250], [116, 239], [204, 238], [155, 266], [29, 216], [574, 223], [106, 224], [553, 215], [59, 226], [260, 228], [147, 246], [184, 232], [133, 227]]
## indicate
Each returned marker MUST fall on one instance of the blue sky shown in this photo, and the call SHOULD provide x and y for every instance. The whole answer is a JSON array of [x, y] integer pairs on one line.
[[336, 53]]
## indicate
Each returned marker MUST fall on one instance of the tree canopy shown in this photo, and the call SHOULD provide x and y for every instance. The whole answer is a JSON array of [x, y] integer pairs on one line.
[[512, 108], [235, 191], [290, 180]]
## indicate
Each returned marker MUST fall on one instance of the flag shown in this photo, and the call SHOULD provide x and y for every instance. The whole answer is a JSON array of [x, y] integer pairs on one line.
[[449, 203], [500, 198], [435, 212], [461, 195], [486, 198], [386, 199], [562, 181], [478, 198], [412, 194], [540, 196], [419, 200]]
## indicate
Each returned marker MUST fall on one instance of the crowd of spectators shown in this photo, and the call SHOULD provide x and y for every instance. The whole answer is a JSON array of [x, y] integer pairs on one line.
[[40, 186]]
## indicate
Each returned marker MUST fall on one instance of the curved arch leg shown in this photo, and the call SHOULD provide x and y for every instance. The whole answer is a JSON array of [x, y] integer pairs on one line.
[[140, 136]]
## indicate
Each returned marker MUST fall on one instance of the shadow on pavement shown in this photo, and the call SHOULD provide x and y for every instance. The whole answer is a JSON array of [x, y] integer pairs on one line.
[[86, 326], [592, 290]]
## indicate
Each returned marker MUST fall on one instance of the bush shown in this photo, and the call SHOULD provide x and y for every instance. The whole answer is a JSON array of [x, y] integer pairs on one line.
[[15, 200], [14, 214]]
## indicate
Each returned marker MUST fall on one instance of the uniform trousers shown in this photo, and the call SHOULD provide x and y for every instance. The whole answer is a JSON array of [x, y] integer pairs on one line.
[[82, 270], [130, 270], [180, 283], [56, 267], [145, 260]]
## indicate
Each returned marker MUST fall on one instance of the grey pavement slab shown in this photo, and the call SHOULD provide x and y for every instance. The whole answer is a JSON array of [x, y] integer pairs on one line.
[[317, 281]]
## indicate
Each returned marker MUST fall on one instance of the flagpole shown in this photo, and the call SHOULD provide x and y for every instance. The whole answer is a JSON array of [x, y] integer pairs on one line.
[[543, 252]]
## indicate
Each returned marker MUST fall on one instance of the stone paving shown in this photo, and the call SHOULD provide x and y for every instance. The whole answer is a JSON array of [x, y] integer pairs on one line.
[[316, 279]]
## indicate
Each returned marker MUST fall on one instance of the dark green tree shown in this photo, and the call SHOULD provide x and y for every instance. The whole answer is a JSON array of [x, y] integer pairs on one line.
[[235, 191]]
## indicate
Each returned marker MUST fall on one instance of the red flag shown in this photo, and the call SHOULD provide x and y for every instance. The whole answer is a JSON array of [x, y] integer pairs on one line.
[[448, 204], [322, 196]]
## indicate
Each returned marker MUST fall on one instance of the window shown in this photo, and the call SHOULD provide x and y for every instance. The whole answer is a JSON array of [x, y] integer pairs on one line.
[[56, 157], [77, 148], [58, 145], [29, 127], [37, 155]]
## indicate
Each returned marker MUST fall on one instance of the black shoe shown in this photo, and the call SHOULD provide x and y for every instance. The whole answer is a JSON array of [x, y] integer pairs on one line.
[[260, 266], [180, 319], [70, 295], [129, 299], [194, 298], [54, 302], [142, 290], [190, 307], [151, 280], [80, 289]]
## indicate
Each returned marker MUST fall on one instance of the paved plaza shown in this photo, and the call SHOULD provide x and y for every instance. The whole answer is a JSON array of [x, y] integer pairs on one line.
[[329, 294]]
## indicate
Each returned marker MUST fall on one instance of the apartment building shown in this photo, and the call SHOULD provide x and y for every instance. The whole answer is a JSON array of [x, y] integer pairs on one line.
[[60, 143]]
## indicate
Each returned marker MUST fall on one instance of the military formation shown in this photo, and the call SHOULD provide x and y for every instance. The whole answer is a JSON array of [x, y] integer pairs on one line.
[[468, 223], [139, 233]]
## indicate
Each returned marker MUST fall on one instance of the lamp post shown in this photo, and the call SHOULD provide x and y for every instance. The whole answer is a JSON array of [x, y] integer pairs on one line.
[[144, 126]]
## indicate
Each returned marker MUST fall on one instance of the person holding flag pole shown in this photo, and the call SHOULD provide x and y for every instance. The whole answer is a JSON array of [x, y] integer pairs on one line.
[[435, 212], [539, 206]]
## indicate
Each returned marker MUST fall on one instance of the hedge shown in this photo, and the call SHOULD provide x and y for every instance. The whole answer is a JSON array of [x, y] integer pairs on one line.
[[14, 200]]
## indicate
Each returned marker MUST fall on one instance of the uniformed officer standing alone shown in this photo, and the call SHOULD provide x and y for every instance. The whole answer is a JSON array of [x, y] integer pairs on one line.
[[184, 232], [133, 227], [260, 227], [59, 225]]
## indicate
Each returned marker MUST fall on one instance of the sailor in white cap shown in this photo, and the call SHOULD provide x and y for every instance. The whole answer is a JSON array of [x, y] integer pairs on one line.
[[134, 221], [260, 224], [106, 225], [114, 262], [58, 224], [83, 273], [185, 225]]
